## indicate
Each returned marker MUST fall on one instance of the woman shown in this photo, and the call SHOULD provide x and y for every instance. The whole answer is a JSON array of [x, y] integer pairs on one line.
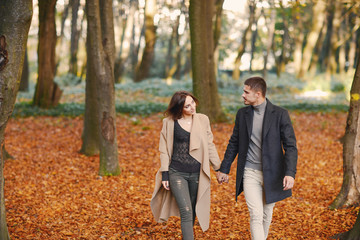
[[182, 185]]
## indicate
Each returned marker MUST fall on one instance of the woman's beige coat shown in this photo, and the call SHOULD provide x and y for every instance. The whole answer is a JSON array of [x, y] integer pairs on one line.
[[202, 148]]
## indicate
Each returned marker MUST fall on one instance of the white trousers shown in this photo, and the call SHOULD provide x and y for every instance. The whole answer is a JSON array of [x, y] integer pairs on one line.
[[260, 212]]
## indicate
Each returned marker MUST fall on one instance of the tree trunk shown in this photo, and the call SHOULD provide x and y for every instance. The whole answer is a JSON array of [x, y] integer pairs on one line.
[[217, 32], [47, 92], [127, 42], [352, 47], [75, 35], [24, 84], [316, 53], [102, 49], [298, 36], [318, 21], [142, 70], [14, 27], [270, 36], [283, 59], [334, 39], [202, 55], [349, 193], [247, 34], [169, 70]]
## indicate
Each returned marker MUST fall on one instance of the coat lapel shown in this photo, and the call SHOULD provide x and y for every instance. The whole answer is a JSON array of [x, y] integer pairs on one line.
[[249, 120], [195, 133], [267, 118]]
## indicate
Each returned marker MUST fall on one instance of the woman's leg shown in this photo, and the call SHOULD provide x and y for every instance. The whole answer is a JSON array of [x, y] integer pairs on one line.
[[180, 189], [193, 190]]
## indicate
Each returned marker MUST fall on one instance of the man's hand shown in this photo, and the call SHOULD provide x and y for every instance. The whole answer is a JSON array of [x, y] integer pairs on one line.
[[222, 177], [166, 185], [288, 182]]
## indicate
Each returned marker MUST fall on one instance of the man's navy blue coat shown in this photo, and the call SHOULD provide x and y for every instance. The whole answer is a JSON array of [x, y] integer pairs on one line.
[[279, 151]]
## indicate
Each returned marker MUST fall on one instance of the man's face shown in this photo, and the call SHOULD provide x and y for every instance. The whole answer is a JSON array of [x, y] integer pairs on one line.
[[250, 96]]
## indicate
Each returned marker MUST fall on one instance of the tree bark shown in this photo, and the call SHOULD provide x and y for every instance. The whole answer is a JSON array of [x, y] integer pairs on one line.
[[14, 27], [349, 193], [318, 21], [350, 190], [202, 57], [47, 92], [102, 48], [143, 69]]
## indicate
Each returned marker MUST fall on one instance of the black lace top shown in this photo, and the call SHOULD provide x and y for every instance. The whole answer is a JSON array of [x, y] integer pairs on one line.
[[181, 160]]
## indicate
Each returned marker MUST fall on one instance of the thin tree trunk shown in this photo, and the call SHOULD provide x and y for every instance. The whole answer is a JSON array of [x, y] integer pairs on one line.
[[217, 31], [202, 54], [270, 36], [342, 51], [90, 135], [47, 92], [245, 37], [318, 21], [349, 193], [75, 35], [334, 39], [14, 27], [143, 69], [298, 36], [352, 48], [254, 33], [316, 55], [102, 42], [283, 59], [169, 56], [127, 43], [24, 84]]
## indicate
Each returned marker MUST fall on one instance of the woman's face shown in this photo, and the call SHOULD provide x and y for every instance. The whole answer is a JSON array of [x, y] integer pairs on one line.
[[189, 106]]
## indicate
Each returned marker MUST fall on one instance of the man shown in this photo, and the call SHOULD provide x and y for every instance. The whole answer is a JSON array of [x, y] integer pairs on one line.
[[264, 140]]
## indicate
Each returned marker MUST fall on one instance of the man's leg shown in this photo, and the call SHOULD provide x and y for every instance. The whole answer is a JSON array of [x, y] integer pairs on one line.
[[253, 191], [268, 211]]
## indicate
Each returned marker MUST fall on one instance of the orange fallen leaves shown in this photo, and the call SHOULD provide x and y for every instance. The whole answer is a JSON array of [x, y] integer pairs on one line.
[[53, 192]]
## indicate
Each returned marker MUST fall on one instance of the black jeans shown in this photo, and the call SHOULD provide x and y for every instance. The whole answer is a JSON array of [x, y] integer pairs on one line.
[[184, 187]]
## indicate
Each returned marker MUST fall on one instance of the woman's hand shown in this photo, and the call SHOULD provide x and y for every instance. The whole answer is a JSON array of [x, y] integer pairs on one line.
[[166, 185]]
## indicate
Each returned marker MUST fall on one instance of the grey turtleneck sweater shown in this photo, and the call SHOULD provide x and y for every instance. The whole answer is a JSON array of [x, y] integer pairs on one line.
[[254, 156]]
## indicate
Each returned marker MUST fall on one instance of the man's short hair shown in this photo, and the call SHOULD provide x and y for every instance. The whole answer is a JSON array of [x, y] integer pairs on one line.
[[256, 84]]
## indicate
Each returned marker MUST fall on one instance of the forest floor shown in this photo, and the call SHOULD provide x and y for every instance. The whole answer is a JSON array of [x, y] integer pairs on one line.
[[54, 192]]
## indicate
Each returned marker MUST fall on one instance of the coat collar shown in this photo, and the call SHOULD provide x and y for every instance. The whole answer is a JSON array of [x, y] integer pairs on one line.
[[267, 118]]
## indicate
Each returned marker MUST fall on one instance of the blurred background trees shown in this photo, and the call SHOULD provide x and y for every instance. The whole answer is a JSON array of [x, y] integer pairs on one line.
[[152, 38]]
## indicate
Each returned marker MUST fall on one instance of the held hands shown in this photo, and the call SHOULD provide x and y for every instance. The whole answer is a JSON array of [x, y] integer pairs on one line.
[[288, 183], [222, 177], [166, 185]]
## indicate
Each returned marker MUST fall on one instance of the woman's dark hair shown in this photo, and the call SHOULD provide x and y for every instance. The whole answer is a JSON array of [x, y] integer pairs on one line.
[[176, 105], [256, 84]]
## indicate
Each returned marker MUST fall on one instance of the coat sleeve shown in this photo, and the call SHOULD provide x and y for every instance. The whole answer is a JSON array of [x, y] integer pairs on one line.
[[232, 148], [289, 144], [213, 154], [164, 153]]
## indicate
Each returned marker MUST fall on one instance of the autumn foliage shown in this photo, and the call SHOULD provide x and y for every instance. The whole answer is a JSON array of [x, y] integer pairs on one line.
[[54, 192]]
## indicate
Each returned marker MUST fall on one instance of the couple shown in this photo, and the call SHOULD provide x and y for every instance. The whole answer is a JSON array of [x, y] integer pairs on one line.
[[264, 140]]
